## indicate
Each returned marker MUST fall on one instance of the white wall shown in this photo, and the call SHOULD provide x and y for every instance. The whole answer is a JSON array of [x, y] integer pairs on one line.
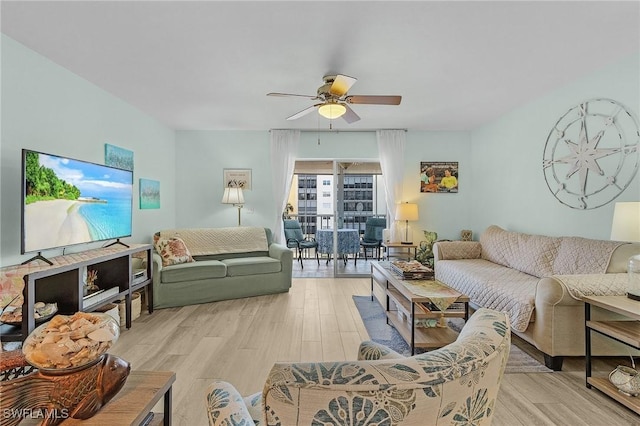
[[509, 184], [47, 108]]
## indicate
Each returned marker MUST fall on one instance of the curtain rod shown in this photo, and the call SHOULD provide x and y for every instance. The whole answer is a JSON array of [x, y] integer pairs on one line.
[[338, 130]]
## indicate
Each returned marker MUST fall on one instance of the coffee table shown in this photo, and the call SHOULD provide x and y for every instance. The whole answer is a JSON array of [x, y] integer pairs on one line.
[[408, 301]]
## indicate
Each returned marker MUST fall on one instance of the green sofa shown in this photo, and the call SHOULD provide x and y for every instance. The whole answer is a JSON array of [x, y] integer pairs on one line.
[[219, 271]]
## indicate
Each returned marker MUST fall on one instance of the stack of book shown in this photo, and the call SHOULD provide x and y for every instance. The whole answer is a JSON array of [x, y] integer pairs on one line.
[[412, 270]]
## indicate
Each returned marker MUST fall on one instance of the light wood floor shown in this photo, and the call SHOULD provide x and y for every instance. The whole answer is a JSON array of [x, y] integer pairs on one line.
[[239, 340]]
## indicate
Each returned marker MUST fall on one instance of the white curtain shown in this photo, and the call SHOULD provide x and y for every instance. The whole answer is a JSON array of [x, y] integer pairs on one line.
[[284, 150], [391, 151]]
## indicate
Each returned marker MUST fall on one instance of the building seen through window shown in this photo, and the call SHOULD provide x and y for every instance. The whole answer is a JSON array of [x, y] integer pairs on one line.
[[360, 198]]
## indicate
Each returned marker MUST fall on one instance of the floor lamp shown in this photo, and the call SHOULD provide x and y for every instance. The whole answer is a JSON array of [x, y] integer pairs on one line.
[[626, 227], [407, 212], [233, 195]]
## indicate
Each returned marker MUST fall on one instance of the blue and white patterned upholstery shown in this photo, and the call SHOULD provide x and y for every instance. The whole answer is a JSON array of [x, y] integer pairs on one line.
[[457, 384]]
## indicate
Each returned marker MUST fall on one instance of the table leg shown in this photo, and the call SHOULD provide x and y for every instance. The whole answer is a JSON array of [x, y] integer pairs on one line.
[[587, 344], [167, 407], [413, 328]]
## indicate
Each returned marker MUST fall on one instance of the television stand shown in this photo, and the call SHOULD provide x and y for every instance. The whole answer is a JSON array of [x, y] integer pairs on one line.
[[117, 241], [38, 256]]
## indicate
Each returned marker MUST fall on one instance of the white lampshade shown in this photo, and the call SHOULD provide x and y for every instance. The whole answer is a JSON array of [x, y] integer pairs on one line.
[[332, 110], [407, 211], [626, 222], [233, 196]]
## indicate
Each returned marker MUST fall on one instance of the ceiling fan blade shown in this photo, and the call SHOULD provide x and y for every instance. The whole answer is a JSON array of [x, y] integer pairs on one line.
[[342, 84], [350, 116], [303, 112], [292, 94], [374, 99]]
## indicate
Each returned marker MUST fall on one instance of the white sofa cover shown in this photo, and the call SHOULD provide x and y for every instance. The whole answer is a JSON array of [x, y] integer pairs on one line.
[[539, 282]]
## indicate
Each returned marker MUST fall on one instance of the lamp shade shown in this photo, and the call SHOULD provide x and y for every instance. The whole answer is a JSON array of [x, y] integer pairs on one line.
[[332, 110], [626, 221], [407, 211], [232, 196]]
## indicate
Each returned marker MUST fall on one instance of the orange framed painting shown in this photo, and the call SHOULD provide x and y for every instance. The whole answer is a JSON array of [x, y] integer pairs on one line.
[[439, 177]]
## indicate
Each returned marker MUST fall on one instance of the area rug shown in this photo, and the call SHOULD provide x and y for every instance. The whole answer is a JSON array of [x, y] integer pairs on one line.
[[374, 319]]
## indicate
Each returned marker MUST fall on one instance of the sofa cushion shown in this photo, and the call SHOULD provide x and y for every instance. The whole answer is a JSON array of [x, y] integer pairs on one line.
[[238, 239], [251, 266], [577, 255], [200, 270], [493, 286], [172, 250], [531, 254]]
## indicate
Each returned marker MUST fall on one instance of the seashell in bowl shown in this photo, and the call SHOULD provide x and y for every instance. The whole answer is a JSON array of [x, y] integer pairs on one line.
[[626, 379], [68, 343]]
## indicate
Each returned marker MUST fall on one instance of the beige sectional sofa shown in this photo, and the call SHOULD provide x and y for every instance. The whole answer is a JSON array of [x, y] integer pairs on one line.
[[539, 281], [201, 265]]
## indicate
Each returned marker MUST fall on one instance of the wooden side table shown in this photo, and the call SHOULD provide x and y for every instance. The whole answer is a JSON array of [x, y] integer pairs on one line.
[[626, 332], [398, 246], [133, 404]]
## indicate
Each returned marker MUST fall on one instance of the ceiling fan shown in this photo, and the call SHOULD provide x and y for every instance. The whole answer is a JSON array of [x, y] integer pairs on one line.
[[334, 101]]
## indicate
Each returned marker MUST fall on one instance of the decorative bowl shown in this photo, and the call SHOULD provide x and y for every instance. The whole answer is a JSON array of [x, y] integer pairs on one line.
[[69, 343], [626, 379]]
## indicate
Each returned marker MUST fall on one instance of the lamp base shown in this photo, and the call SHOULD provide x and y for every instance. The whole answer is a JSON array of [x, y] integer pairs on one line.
[[633, 296], [406, 242]]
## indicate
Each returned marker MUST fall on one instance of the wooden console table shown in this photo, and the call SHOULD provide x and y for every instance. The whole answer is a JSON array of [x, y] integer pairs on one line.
[[62, 283], [404, 250], [627, 332], [134, 402]]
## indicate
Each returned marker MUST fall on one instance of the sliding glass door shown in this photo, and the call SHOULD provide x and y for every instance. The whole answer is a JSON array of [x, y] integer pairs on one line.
[[332, 199]]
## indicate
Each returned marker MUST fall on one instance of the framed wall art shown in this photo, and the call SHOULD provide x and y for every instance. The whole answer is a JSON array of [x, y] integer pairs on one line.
[[115, 156], [240, 178], [439, 176], [149, 194]]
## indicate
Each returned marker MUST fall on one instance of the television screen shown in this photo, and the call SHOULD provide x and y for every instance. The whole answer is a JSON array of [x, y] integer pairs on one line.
[[67, 201]]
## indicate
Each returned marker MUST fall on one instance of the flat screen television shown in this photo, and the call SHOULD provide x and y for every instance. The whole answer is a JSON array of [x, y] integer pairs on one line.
[[67, 202]]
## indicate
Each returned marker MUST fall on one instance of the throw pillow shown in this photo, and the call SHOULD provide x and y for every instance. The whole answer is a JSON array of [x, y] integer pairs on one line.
[[173, 251]]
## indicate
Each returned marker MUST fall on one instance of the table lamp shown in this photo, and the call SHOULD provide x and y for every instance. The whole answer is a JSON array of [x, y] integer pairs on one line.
[[407, 212], [626, 227], [233, 195]]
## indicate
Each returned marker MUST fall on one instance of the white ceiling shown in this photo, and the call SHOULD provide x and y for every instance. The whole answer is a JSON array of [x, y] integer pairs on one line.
[[209, 64]]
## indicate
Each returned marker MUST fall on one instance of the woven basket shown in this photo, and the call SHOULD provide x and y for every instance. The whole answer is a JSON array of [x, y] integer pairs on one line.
[[136, 308], [113, 310]]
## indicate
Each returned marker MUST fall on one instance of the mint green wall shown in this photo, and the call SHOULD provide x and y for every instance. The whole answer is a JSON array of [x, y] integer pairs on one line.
[[509, 186], [47, 108], [201, 156]]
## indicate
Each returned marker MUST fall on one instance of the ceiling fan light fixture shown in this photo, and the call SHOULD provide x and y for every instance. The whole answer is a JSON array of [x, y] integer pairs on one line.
[[332, 110]]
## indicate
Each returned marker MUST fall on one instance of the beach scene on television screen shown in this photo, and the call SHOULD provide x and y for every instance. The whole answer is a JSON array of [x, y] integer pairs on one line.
[[70, 202]]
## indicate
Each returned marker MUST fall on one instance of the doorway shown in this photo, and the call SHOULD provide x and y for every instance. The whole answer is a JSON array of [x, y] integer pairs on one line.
[[332, 200]]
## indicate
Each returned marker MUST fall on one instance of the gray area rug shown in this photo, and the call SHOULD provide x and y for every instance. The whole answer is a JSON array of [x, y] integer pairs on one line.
[[374, 319]]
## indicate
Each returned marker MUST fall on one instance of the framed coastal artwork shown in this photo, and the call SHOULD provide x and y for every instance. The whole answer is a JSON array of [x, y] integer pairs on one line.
[[439, 176], [115, 156], [240, 178], [149, 194]]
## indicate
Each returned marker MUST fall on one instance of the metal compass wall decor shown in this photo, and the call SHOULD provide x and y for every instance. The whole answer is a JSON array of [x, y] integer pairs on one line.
[[592, 154]]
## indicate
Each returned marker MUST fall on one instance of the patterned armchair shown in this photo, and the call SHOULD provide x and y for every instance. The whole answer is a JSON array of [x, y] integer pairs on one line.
[[457, 384]]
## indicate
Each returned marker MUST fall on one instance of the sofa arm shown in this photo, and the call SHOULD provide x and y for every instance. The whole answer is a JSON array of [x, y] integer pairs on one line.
[[580, 285], [281, 252], [225, 406], [453, 250], [371, 351]]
